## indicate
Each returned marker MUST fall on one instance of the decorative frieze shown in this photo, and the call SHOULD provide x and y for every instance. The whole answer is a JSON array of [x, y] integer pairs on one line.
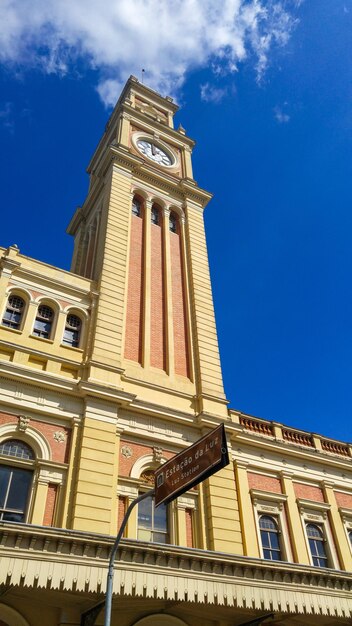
[[48, 558]]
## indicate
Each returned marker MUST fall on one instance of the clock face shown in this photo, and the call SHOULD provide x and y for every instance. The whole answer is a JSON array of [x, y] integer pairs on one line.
[[154, 153]]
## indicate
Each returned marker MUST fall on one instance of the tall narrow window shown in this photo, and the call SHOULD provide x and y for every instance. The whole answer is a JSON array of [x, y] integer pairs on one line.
[[152, 522], [136, 207], [269, 534], [72, 331], [15, 482], [173, 222], [13, 312], [43, 322], [155, 215], [317, 545]]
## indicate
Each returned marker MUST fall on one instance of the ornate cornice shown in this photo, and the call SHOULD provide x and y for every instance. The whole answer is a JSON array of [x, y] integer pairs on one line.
[[48, 558]]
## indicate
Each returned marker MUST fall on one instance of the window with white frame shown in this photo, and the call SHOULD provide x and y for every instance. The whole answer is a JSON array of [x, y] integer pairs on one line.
[[320, 542], [270, 537], [153, 523], [346, 515], [15, 480], [72, 331], [13, 314], [43, 322], [317, 542], [272, 529]]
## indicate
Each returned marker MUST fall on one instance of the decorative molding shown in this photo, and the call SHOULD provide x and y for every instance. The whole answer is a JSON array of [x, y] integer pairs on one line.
[[157, 454], [346, 515], [126, 452], [45, 557], [256, 494], [59, 436], [23, 422], [313, 511], [32, 437]]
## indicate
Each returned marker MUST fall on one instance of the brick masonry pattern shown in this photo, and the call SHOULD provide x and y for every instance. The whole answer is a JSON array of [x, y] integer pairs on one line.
[[133, 341], [50, 505], [309, 492], [157, 298], [59, 450], [264, 483]]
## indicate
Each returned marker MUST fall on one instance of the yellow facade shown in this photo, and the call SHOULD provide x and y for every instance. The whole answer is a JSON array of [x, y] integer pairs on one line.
[[112, 368]]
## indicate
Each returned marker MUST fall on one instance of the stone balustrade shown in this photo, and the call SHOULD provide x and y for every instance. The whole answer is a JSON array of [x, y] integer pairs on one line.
[[301, 438]]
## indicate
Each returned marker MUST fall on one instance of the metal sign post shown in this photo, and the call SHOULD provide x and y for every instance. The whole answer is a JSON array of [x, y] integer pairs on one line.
[[185, 470], [109, 582]]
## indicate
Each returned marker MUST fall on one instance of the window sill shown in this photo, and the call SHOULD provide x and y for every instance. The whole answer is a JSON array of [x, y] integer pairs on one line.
[[12, 330], [65, 345], [42, 339]]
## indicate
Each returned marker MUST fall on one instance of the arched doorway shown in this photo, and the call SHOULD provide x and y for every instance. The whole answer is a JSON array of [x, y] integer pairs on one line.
[[160, 619], [10, 617]]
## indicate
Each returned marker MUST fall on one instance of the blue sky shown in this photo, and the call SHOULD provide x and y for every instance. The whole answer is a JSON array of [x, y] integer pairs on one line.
[[265, 88]]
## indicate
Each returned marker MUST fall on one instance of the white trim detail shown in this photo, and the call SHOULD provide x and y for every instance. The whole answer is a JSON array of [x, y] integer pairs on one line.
[[272, 504], [144, 463], [31, 436], [317, 513]]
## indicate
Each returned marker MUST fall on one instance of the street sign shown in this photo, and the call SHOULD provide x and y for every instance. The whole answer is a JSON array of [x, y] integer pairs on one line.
[[191, 466]]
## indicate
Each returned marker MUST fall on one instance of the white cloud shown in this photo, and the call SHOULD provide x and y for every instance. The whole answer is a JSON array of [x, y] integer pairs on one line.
[[209, 93], [120, 37], [6, 116], [281, 116]]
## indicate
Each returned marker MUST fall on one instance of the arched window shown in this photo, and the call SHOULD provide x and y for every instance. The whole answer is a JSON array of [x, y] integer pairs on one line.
[[155, 215], [43, 322], [317, 545], [72, 331], [136, 207], [173, 223], [269, 534], [350, 536], [153, 522], [13, 312], [15, 481]]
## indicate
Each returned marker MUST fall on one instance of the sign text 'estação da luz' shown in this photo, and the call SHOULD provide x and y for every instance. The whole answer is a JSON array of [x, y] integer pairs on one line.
[[191, 466]]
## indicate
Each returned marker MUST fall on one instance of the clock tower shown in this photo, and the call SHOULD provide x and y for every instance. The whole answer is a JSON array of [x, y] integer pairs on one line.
[[140, 236]]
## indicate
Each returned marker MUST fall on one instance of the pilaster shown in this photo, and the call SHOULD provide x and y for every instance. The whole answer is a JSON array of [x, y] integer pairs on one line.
[[250, 540], [298, 543], [208, 376], [40, 502], [224, 525], [108, 341], [95, 499], [340, 539]]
